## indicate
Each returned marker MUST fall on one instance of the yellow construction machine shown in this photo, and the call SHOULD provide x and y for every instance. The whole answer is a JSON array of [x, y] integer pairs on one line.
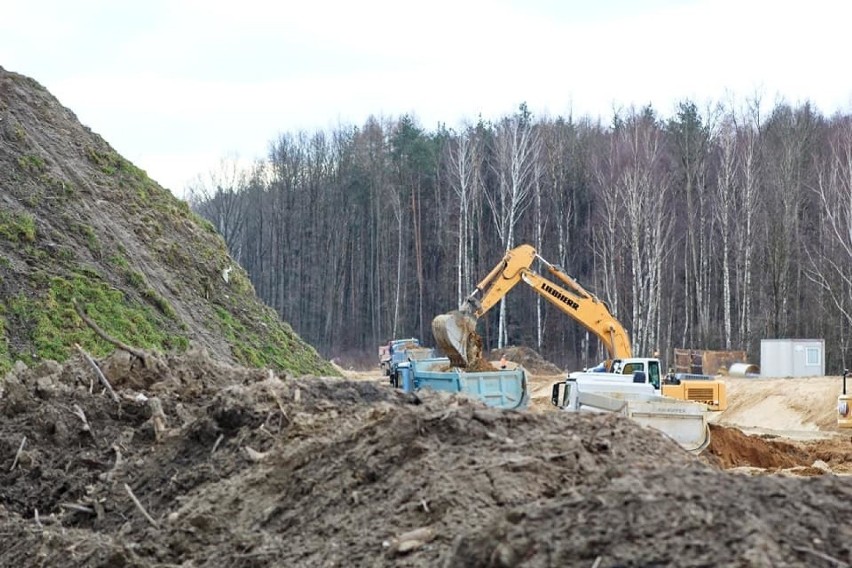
[[455, 332]]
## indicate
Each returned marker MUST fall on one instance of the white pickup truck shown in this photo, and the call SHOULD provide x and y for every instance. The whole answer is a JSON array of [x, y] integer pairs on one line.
[[638, 398]]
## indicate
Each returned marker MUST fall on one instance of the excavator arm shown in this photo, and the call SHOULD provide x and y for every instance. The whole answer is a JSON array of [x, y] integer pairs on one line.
[[455, 332]]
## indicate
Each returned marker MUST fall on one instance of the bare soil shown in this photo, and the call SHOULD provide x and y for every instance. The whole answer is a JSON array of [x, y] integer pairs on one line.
[[257, 469]]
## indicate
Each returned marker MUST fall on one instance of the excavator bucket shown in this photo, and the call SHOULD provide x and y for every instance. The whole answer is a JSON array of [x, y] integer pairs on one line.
[[455, 333]]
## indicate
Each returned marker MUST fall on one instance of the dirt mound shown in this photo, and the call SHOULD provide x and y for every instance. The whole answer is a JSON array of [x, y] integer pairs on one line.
[[80, 222], [782, 405], [241, 467], [733, 448], [528, 358]]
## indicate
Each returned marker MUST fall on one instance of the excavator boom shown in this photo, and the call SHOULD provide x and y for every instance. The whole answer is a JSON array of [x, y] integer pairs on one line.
[[455, 332]]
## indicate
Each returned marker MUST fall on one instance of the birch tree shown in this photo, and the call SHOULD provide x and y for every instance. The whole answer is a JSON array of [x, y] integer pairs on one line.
[[748, 149], [725, 188], [462, 157], [557, 164], [607, 234], [644, 185], [830, 257], [691, 137], [516, 151], [789, 137]]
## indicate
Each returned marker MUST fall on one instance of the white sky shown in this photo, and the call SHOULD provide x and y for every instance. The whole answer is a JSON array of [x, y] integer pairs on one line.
[[177, 85]]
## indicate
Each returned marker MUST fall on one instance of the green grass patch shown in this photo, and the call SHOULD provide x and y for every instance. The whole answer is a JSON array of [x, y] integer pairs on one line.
[[5, 358], [32, 164], [160, 303], [92, 242], [107, 162], [135, 279], [56, 327], [204, 223], [17, 227], [278, 348], [119, 261]]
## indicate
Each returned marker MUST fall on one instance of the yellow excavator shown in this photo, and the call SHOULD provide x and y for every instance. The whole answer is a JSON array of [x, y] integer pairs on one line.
[[455, 332]]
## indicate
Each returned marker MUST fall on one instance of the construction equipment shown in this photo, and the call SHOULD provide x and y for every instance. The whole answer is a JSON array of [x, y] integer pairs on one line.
[[395, 352], [413, 368], [453, 331], [685, 422], [456, 334]]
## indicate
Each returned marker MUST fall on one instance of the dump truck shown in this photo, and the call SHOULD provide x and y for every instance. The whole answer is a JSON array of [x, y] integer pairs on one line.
[[634, 397], [455, 332], [395, 352], [415, 368]]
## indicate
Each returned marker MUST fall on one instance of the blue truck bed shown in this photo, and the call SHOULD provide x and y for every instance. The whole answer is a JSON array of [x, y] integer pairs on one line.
[[500, 388]]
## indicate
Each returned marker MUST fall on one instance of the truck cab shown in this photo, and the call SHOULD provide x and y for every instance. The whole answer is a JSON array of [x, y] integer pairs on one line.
[[650, 367], [395, 352], [696, 388]]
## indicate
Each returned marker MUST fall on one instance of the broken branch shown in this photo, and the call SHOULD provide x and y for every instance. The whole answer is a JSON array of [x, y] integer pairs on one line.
[[101, 376], [18, 454], [117, 464], [77, 507], [78, 412], [158, 417], [139, 506], [216, 445], [103, 335]]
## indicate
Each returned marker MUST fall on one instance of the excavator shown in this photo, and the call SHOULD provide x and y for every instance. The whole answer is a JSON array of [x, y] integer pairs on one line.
[[455, 332]]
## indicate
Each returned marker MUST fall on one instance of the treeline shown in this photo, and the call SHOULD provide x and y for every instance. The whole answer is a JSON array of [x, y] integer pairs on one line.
[[712, 228]]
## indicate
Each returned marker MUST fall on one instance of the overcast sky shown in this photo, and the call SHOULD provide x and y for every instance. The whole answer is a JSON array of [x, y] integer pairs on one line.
[[176, 85]]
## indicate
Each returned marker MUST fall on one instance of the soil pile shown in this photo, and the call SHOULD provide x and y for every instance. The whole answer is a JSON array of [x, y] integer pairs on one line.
[[528, 358], [77, 220], [767, 405], [731, 448], [242, 467]]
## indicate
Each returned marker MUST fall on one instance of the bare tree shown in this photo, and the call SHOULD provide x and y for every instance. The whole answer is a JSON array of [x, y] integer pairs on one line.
[[607, 237], [218, 197], [725, 189], [748, 148], [462, 156], [830, 257], [690, 133], [517, 150], [558, 138], [789, 139], [644, 185]]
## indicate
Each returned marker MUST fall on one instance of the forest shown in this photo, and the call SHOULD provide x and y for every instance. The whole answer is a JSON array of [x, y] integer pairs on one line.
[[712, 228]]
